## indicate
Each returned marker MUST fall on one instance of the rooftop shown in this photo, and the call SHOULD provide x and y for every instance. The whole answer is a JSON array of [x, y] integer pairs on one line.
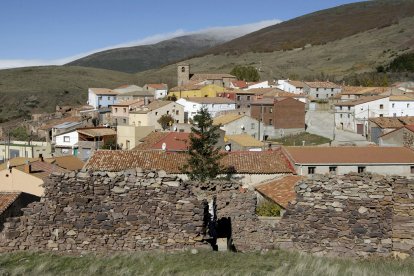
[[103, 91], [7, 199], [402, 98], [97, 132], [265, 162], [152, 106], [227, 118], [350, 155], [239, 84], [244, 140], [202, 76], [362, 100], [321, 84], [281, 191], [298, 84], [42, 169], [149, 140], [362, 90], [67, 125], [158, 86], [135, 102], [174, 141], [392, 122], [209, 100]]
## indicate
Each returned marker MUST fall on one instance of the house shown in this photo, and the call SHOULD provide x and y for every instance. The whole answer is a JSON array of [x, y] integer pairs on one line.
[[291, 86], [28, 149], [401, 105], [11, 204], [214, 105], [102, 97], [354, 115], [280, 191], [66, 143], [94, 138], [382, 125], [280, 116], [238, 84], [242, 142], [129, 136], [120, 111], [134, 92], [195, 90], [238, 124], [46, 128], [28, 178], [242, 98], [343, 160], [184, 77], [160, 89], [277, 93], [64, 128], [248, 166], [321, 89], [256, 85], [148, 115], [401, 137], [350, 93]]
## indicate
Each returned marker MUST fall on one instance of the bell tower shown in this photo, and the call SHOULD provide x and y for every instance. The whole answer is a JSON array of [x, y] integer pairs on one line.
[[183, 74]]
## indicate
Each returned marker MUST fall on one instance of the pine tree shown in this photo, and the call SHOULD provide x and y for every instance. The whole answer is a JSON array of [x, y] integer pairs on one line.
[[204, 160]]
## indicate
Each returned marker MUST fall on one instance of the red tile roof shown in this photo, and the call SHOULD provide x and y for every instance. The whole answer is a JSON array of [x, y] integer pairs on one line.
[[158, 86], [281, 191], [321, 84], [174, 141], [265, 162], [149, 140], [7, 199], [350, 155], [239, 84], [42, 169]]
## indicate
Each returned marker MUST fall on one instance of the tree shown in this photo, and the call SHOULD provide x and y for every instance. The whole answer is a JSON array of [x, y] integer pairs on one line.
[[246, 73], [204, 160], [165, 121]]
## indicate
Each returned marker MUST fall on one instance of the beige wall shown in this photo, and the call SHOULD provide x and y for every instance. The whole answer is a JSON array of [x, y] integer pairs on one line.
[[132, 134], [151, 117], [19, 181]]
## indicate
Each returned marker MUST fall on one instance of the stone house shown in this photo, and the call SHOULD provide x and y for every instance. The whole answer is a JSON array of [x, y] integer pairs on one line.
[[134, 92], [120, 111], [128, 137], [354, 115], [350, 93], [238, 124], [11, 204], [280, 117], [148, 115], [401, 137], [291, 86], [184, 76], [382, 125], [321, 90], [66, 143], [195, 90], [160, 89], [102, 97], [249, 167], [344, 160], [214, 105]]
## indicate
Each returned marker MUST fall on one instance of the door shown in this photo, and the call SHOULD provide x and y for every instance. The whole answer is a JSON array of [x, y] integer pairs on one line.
[[360, 129]]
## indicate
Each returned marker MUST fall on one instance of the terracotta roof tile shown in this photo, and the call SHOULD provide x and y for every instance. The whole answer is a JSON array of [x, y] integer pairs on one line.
[[298, 84], [350, 155], [392, 122], [42, 170], [7, 199], [321, 84], [281, 191], [69, 162], [174, 141], [244, 140], [201, 77], [265, 162], [158, 86], [239, 84], [149, 140], [227, 118], [96, 132], [103, 91], [362, 100], [362, 90]]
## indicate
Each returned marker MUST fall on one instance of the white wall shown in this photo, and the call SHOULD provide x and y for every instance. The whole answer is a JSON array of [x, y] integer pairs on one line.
[[401, 108], [192, 108], [286, 86], [160, 93], [387, 169], [73, 139]]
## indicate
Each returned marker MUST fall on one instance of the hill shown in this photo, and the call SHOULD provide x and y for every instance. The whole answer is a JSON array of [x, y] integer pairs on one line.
[[36, 89], [140, 58], [355, 54], [321, 27]]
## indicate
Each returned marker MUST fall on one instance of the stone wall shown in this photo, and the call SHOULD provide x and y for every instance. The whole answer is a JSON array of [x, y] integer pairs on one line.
[[131, 210]]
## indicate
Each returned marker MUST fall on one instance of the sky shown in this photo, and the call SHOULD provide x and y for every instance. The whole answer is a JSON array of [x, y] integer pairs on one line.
[[42, 32]]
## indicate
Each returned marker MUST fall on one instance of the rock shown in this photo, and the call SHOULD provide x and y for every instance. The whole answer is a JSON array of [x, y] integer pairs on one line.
[[162, 173], [71, 233], [118, 190], [194, 251], [172, 183], [82, 175], [362, 210]]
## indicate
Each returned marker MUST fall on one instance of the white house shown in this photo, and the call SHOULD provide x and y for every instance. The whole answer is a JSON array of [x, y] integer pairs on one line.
[[66, 143], [401, 105], [214, 105], [290, 86], [160, 89], [354, 115], [262, 84], [101, 97]]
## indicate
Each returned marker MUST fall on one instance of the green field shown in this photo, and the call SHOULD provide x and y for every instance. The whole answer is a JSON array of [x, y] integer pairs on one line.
[[202, 263], [297, 140]]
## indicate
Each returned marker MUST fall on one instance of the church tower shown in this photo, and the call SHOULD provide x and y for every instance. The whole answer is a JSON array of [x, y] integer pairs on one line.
[[183, 74]]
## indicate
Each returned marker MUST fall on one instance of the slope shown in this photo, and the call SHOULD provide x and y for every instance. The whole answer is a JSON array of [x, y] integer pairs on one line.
[[320, 27]]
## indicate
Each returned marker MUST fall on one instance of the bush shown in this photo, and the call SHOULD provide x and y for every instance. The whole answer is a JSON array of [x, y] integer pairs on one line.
[[268, 209]]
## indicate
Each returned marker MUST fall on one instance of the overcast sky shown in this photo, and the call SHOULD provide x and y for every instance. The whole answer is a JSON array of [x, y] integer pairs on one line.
[[35, 32]]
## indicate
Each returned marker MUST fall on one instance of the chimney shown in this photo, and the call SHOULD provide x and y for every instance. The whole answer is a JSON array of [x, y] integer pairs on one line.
[[41, 157], [27, 167]]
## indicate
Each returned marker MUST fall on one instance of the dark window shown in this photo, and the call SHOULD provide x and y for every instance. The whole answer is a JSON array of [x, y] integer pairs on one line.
[[238, 98], [333, 169], [381, 106], [412, 169], [248, 98], [270, 122], [311, 170], [361, 169], [317, 95], [183, 69]]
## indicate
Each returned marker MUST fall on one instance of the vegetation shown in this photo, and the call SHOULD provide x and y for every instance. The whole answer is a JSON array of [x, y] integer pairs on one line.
[[19, 133], [203, 263], [297, 140], [203, 163], [402, 63], [268, 209], [246, 73], [165, 121]]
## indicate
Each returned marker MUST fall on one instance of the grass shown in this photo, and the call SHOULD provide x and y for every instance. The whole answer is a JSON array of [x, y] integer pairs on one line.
[[203, 263], [297, 140]]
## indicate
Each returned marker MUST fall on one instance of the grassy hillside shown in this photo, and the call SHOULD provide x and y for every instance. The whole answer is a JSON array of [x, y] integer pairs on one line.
[[140, 58], [358, 53], [321, 27], [33, 89], [202, 263]]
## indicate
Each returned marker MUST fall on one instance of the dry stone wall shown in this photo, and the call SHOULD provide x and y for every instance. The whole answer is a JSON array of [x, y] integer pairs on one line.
[[99, 211]]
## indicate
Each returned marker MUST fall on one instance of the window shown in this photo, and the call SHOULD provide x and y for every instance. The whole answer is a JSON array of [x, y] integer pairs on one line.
[[109, 98], [395, 114], [124, 121], [116, 110], [127, 142], [349, 115], [381, 115], [194, 106], [270, 122], [381, 106], [349, 108], [311, 170], [182, 69], [248, 98], [252, 126], [332, 169], [168, 112], [238, 98], [332, 89], [331, 95], [125, 110], [177, 112], [317, 95], [66, 138], [100, 98], [412, 169], [156, 113], [340, 108], [361, 169], [317, 89], [340, 115], [393, 105], [271, 110]]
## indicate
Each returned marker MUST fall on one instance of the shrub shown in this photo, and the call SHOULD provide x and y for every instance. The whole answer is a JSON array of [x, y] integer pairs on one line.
[[268, 209]]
